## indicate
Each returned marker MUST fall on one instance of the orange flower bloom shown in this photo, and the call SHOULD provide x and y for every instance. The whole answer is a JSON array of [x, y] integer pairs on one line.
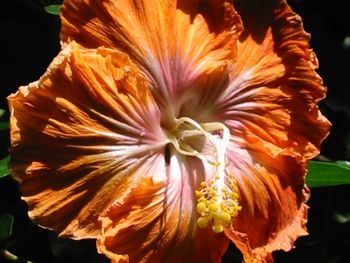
[[166, 129]]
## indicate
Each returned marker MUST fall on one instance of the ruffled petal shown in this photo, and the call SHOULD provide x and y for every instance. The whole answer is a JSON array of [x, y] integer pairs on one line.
[[272, 196], [174, 41], [79, 134], [157, 222], [274, 88], [276, 127]]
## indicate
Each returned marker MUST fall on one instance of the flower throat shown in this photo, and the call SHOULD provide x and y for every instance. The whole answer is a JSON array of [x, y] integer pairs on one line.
[[217, 198]]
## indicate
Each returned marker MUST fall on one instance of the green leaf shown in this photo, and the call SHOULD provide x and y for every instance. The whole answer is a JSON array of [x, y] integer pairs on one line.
[[346, 42], [53, 9], [3, 125], [342, 218], [4, 170], [323, 174], [6, 222]]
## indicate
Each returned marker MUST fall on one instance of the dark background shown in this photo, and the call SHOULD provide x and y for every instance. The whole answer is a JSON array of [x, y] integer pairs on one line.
[[29, 41]]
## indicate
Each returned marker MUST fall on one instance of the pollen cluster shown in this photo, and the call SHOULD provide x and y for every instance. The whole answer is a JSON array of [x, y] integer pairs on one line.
[[217, 205]]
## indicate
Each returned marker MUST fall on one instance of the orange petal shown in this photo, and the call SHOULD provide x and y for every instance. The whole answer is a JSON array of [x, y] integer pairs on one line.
[[78, 134], [272, 196], [276, 127], [157, 222], [175, 41], [274, 87]]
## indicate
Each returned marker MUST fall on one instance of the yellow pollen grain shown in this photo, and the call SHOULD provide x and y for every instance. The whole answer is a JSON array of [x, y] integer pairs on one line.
[[214, 208], [218, 228], [201, 207], [202, 222]]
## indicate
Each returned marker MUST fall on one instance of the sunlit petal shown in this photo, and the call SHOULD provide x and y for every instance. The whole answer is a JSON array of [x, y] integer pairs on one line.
[[157, 223], [174, 41], [274, 89], [270, 109], [273, 199], [78, 134]]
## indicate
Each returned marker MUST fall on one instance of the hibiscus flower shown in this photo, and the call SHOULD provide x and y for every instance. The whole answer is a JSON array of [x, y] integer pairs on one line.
[[166, 129]]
